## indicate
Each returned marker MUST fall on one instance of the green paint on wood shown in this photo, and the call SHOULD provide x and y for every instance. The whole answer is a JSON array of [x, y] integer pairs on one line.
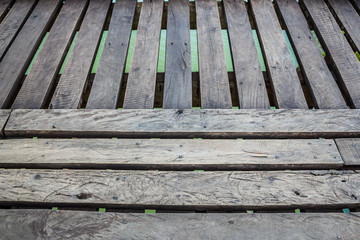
[[291, 50], [229, 64], [258, 48], [130, 51], [102, 209], [194, 51], [99, 52], [36, 54], [162, 52], [68, 53], [150, 211]]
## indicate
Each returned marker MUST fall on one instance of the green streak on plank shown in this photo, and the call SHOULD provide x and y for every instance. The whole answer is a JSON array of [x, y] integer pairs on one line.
[[291, 50], [194, 51], [257, 44], [130, 51], [36, 54], [250, 211], [229, 64], [346, 210], [357, 55], [99, 52], [297, 210], [196, 108], [318, 43], [198, 170], [272, 108], [54, 208], [150, 211], [68, 53], [162, 50], [102, 209]]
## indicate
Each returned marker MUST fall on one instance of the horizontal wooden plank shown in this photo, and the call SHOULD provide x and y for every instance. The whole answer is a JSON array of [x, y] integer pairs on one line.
[[180, 190], [220, 123], [349, 150], [4, 115], [34, 224], [164, 154]]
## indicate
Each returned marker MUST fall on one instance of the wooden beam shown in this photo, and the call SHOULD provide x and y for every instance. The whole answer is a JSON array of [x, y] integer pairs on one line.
[[349, 150]]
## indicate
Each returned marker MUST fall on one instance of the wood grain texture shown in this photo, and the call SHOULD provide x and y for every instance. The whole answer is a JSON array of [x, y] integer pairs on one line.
[[325, 91], [214, 82], [346, 64], [19, 55], [180, 190], [249, 77], [46, 224], [140, 89], [4, 115], [13, 22], [349, 150], [178, 81], [108, 79], [72, 84], [175, 154], [4, 7], [189, 123], [38, 84], [284, 79]]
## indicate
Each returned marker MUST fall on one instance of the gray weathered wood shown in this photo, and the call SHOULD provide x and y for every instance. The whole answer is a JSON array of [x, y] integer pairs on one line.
[[4, 7], [349, 150], [173, 154], [47, 224], [19, 55], [325, 91], [249, 77], [178, 82], [4, 115], [72, 84], [346, 64], [140, 89], [180, 190], [108, 79], [37, 86], [228, 123], [284, 79], [214, 82]]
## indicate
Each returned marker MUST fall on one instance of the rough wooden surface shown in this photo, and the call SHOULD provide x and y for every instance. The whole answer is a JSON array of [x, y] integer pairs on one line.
[[36, 88], [46, 224], [284, 79], [180, 190], [173, 154], [72, 84], [4, 6], [349, 150], [108, 79], [190, 123], [214, 82], [140, 89], [4, 115], [325, 91], [178, 82]]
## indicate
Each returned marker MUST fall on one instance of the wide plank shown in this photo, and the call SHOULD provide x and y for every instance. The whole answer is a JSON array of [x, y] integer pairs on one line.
[[19, 55], [349, 150], [325, 91], [140, 89], [346, 64], [4, 115], [250, 82], [47, 224], [108, 79], [37, 86], [4, 8], [13, 22], [178, 81], [175, 154], [180, 190], [214, 82], [72, 84], [189, 123]]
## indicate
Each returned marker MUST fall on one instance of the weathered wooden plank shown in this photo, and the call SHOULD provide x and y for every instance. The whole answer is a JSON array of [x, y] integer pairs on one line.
[[38, 84], [347, 66], [108, 79], [72, 84], [4, 7], [36, 224], [19, 55], [325, 91], [13, 22], [249, 77], [188, 123], [173, 154], [214, 83], [4, 115], [140, 89], [349, 150], [178, 82], [284, 79], [180, 190]]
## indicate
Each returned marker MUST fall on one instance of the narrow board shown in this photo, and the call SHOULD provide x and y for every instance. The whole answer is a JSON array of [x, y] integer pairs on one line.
[[13, 22], [347, 65], [175, 154], [4, 115], [37, 86], [189, 123], [214, 82], [19, 55], [178, 81], [325, 91], [140, 89], [108, 79], [47, 224], [284, 79], [72, 84], [4, 7], [349, 150], [249, 77], [180, 190]]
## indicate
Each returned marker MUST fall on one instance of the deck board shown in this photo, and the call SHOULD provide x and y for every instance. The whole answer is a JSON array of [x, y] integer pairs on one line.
[[4, 115], [349, 150]]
